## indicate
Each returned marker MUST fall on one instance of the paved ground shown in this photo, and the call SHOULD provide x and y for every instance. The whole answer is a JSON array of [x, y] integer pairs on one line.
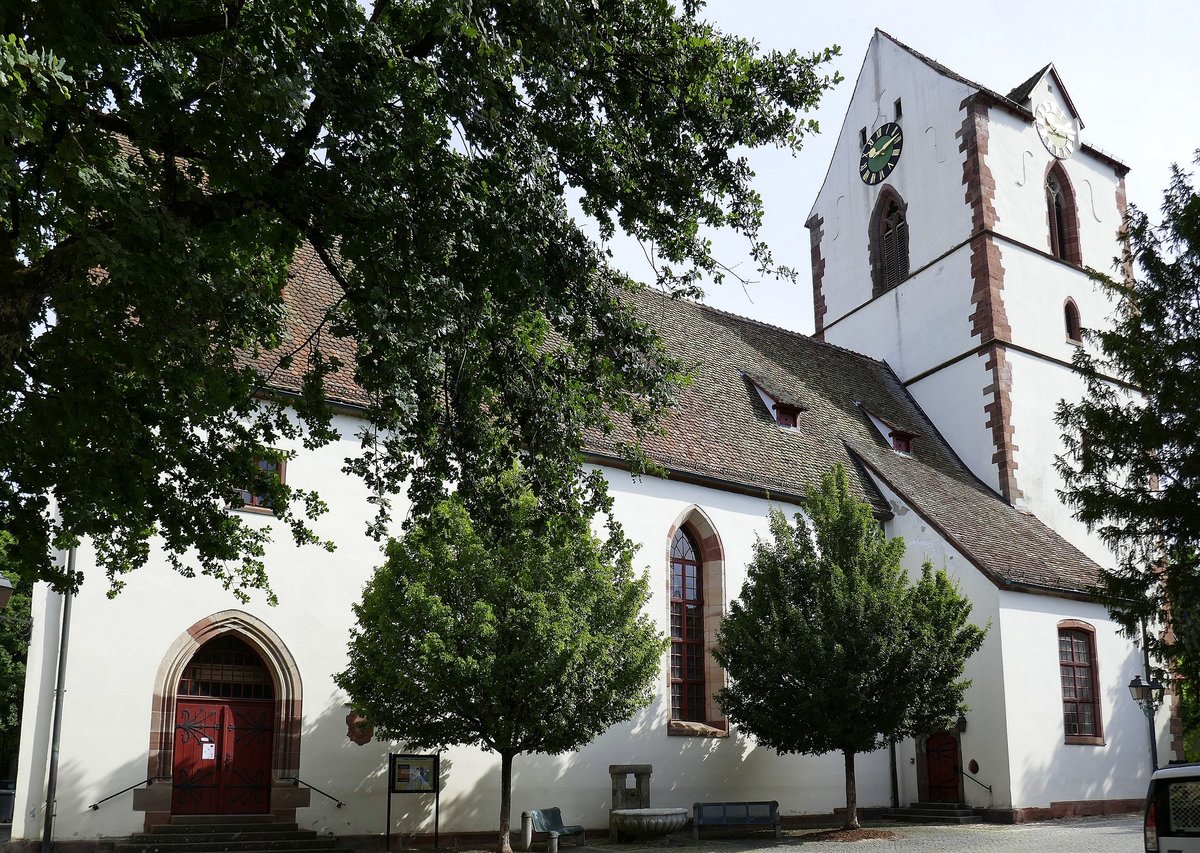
[[1079, 835]]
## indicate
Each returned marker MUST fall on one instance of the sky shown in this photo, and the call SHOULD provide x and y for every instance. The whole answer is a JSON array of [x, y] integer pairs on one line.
[[1132, 70]]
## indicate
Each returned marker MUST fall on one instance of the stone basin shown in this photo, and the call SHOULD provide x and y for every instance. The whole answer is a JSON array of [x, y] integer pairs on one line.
[[647, 823]]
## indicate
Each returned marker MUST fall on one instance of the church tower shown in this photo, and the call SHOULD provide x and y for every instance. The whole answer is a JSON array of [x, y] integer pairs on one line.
[[950, 239]]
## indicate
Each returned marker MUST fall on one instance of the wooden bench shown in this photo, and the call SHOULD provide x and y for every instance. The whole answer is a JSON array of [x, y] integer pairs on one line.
[[550, 822], [760, 813]]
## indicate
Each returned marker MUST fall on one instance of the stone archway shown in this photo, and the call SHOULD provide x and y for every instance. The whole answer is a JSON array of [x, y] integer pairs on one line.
[[285, 797]]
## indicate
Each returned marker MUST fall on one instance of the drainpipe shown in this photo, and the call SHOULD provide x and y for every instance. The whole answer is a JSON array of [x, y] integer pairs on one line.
[[56, 727], [895, 781]]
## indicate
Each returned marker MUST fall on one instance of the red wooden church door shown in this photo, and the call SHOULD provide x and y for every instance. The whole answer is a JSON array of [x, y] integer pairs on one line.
[[941, 767], [224, 728]]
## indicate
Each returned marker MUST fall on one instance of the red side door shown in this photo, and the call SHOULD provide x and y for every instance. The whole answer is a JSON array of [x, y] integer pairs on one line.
[[222, 757], [941, 763]]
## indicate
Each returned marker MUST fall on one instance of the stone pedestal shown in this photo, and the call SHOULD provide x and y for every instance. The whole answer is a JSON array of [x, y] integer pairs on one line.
[[624, 796]]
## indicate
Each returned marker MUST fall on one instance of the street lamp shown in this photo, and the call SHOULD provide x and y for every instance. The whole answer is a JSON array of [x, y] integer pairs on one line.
[[6, 591], [1149, 697]]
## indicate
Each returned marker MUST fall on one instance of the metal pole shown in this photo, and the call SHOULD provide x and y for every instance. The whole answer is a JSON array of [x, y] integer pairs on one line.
[[1148, 709], [56, 727], [390, 780], [437, 796]]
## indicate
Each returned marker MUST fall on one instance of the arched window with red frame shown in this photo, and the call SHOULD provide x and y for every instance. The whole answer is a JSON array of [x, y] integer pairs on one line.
[[688, 698], [1080, 686]]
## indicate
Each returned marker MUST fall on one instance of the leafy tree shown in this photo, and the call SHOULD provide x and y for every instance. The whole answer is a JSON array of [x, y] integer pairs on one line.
[[830, 649], [1132, 463], [522, 632], [14, 649], [163, 161]]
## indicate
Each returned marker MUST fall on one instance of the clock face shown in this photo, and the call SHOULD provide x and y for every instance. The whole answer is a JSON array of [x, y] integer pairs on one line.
[[881, 153], [1059, 132]]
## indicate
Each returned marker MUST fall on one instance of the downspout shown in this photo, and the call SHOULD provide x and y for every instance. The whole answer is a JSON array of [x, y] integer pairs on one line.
[[56, 727], [895, 780]]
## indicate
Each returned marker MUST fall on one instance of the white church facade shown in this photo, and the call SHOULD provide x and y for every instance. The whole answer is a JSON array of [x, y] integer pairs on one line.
[[948, 246]]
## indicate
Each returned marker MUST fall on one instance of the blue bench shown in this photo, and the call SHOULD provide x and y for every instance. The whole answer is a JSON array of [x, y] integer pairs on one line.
[[550, 822], [761, 813]]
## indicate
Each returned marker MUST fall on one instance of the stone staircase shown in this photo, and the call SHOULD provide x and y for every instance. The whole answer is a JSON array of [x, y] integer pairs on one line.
[[225, 834], [937, 813]]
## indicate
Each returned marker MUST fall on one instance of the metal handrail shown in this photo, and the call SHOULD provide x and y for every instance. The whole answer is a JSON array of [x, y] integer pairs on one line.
[[150, 781], [976, 781], [298, 782]]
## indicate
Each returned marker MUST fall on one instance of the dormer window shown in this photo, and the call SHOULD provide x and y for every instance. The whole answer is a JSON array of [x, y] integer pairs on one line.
[[784, 408], [900, 439], [786, 415]]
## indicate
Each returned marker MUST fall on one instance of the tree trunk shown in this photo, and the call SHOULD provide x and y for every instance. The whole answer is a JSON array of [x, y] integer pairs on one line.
[[506, 760], [851, 793]]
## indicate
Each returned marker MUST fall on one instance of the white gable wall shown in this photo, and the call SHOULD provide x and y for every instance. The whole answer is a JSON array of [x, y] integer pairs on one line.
[[928, 175]]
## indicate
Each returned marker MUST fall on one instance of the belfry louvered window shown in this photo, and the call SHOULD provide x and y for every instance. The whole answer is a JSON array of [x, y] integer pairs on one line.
[[1056, 208], [889, 244]]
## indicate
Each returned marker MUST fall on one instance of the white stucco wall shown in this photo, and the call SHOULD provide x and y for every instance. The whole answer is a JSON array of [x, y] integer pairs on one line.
[[1038, 386], [1044, 768], [117, 647], [928, 175], [920, 324], [983, 741], [1019, 164], [953, 399], [1035, 291]]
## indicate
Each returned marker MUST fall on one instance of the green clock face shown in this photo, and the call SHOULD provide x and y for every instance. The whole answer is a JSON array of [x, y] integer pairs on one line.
[[881, 153]]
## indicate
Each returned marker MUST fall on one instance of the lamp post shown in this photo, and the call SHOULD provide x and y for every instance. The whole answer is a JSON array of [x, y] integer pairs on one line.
[[1149, 697]]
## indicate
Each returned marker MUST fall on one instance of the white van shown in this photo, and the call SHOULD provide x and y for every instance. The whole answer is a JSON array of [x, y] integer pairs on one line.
[[1172, 820]]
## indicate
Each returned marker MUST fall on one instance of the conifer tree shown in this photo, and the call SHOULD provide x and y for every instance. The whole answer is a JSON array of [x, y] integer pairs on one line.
[[1132, 462], [829, 647]]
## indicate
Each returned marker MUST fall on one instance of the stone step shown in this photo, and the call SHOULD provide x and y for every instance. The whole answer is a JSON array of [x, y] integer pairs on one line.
[[938, 805], [254, 844], [928, 814], [167, 839], [194, 827]]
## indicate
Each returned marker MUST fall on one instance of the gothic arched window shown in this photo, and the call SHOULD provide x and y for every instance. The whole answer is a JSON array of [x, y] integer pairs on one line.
[[1062, 217], [889, 242], [1071, 320], [688, 696]]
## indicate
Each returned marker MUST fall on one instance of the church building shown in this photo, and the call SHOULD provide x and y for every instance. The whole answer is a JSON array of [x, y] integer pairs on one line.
[[949, 244]]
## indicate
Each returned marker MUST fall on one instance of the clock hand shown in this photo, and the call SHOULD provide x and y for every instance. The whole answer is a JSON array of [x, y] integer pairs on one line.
[[883, 144]]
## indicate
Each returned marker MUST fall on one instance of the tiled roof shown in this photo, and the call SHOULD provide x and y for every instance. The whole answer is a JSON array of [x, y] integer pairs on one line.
[[1021, 93], [720, 429], [310, 294], [954, 75]]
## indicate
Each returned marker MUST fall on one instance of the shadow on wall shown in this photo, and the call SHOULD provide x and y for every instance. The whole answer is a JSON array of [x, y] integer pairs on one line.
[[74, 817], [1120, 769], [687, 769]]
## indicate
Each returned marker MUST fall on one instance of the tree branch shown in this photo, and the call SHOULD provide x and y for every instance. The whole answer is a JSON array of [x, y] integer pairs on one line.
[[157, 29]]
